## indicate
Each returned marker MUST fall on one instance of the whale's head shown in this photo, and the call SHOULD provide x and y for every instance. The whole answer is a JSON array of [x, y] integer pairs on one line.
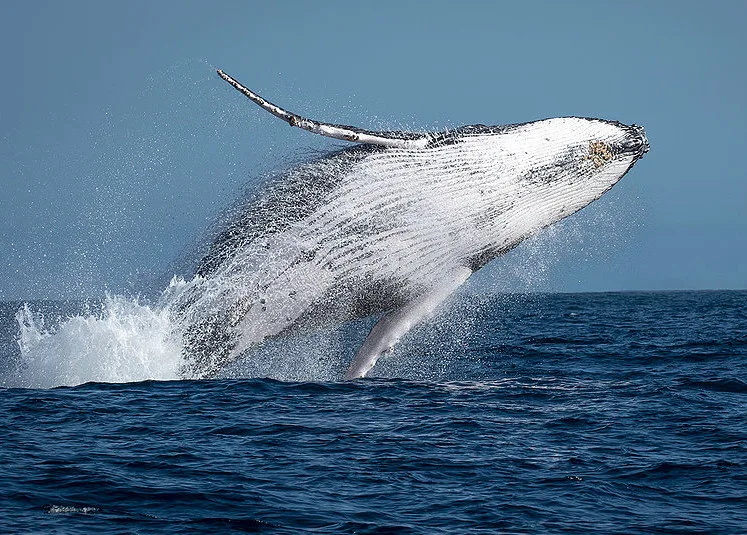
[[596, 152], [561, 165], [586, 157], [540, 172], [575, 155]]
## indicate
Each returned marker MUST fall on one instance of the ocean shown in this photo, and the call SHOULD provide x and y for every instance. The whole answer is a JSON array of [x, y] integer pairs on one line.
[[536, 413]]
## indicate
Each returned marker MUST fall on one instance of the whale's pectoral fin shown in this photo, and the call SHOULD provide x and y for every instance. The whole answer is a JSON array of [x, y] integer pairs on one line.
[[396, 323], [337, 131]]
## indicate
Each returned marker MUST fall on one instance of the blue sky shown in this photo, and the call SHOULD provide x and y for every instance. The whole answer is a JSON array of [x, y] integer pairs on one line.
[[119, 144]]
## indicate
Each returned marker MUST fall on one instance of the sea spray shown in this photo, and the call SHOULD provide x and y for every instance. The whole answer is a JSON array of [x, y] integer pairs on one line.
[[122, 342]]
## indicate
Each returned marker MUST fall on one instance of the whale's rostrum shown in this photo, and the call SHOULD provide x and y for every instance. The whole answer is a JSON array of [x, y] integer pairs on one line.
[[390, 226]]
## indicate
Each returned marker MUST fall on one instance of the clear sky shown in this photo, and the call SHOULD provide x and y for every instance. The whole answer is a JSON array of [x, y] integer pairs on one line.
[[119, 144]]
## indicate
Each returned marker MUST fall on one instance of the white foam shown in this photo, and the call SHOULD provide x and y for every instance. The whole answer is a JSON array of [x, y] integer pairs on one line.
[[126, 341], [69, 509]]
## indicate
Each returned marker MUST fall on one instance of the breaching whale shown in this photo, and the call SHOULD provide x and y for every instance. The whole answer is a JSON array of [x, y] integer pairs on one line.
[[389, 226]]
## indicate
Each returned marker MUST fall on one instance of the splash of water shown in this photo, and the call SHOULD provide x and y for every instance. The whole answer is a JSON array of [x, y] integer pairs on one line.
[[126, 341]]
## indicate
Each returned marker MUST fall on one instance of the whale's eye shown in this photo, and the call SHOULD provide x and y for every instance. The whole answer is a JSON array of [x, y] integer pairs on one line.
[[600, 153]]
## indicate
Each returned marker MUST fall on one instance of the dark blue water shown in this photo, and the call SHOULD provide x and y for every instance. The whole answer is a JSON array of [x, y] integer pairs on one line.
[[594, 413]]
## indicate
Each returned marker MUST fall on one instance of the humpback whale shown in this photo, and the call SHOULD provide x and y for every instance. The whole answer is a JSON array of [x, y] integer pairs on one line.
[[389, 226]]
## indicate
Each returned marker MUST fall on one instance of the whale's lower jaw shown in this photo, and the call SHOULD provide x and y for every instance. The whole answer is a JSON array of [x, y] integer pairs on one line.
[[392, 231]]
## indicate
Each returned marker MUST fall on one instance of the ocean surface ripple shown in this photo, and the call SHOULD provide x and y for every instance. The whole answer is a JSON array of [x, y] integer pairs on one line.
[[563, 413]]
